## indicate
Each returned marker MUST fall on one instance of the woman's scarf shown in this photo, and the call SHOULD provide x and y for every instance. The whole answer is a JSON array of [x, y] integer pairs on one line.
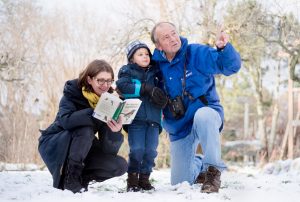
[[91, 97]]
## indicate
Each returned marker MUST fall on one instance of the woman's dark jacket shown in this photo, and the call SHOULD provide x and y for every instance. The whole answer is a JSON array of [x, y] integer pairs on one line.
[[130, 79], [74, 112]]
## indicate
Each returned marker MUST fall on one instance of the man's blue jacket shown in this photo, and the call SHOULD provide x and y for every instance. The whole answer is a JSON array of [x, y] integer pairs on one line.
[[202, 63]]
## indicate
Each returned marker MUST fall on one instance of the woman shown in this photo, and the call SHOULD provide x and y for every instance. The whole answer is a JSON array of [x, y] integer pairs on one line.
[[69, 147]]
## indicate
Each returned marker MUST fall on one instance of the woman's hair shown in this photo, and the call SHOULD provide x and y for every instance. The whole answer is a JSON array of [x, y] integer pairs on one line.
[[94, 68]]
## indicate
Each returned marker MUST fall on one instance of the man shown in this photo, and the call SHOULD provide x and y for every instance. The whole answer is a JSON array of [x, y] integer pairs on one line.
[[194, 114]]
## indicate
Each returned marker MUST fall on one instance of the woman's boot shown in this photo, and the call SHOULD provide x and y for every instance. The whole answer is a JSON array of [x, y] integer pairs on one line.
[[72, 180]]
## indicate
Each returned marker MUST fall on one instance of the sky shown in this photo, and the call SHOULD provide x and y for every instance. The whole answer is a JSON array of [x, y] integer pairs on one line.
[[280, 6], [276, 182], [283, 6]]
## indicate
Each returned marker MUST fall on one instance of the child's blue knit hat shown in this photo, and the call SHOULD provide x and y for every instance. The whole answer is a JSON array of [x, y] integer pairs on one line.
[[134, 46]]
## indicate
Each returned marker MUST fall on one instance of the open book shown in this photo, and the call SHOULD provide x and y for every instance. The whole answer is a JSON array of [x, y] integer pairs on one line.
[[110, 107]]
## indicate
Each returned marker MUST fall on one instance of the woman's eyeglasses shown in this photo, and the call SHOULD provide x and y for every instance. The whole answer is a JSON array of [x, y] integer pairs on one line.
[[102, 81]]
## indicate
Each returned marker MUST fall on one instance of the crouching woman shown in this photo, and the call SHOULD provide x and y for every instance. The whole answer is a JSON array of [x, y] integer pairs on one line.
[[69, 147]]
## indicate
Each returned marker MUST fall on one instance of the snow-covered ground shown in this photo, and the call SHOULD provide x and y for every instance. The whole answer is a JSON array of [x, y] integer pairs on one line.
[[277, 182]]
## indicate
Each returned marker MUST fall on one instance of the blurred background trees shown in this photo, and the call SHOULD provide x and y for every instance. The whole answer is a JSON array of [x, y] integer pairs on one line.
[[41, 48]]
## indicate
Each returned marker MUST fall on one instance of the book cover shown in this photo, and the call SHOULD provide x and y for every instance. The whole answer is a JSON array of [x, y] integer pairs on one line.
[[110, 107]]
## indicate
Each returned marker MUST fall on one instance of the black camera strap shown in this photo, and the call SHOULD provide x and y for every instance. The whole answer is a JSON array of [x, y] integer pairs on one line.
[[202, 97]]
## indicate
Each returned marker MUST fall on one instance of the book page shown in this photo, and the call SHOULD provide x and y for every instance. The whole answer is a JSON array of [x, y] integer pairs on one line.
[[130, 109], [106, 107]]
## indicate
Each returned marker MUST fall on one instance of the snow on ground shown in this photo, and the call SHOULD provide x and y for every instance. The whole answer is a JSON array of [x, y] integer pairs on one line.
[[277, 182]]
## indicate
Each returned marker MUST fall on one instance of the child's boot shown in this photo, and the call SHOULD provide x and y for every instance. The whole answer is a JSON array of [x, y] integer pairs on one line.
[[133, 182], [144, 182]]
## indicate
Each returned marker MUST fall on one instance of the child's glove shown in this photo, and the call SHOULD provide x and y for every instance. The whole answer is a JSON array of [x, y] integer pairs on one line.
[[157, 96]]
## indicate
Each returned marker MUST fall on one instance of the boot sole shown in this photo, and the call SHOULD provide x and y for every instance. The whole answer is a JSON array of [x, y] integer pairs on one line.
[[209, 191]]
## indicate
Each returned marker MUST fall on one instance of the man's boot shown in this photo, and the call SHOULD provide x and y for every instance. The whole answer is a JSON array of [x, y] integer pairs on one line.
[[212, 181], [144, 182], [200, 179], [133, 182], [72, 179]]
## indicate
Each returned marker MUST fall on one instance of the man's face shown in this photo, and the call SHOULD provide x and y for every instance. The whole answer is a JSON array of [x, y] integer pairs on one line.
[[167, 39]]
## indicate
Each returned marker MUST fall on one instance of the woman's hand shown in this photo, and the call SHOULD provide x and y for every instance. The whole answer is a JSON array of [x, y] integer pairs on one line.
[[115, 126]]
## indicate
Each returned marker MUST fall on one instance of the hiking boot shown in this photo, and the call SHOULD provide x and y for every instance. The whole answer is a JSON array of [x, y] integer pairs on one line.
[[212, 180], [200, 179], [133, 182], [144, 182], [91, 178], [72, 180], [86, 179]]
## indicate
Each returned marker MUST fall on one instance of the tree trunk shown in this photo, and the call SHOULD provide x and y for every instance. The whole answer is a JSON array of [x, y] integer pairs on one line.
[[275, 111], [246, 121], [290, 118], [284, 141], [256, 75]]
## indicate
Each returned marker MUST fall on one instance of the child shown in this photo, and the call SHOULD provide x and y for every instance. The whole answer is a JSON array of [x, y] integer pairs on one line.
[[140, 78]]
